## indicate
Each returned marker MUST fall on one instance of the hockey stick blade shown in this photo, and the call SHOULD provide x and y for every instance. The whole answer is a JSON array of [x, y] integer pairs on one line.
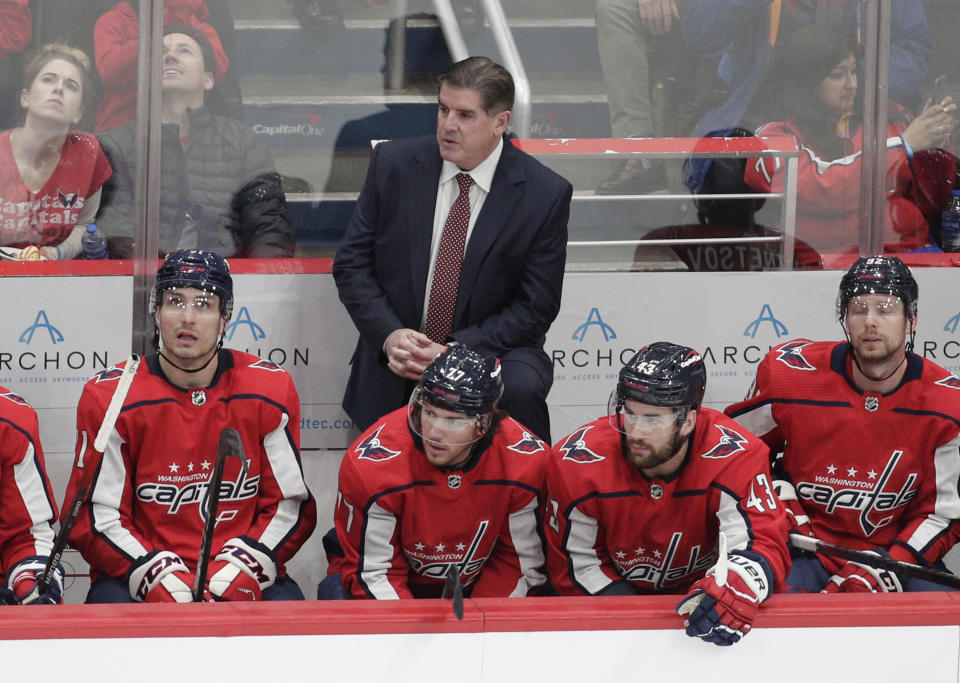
[[453, 590], [902, 569], [229, 444]]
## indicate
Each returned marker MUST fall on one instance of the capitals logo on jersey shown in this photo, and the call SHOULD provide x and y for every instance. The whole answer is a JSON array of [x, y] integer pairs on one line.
[[528, 444], [949, 381], [108, 375], [16, 398], [371, 448], [575, 448], [267, 365], [791, 355], [730, 442]]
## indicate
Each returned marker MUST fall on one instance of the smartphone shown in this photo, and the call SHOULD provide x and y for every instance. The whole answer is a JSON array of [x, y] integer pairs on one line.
[[938, 84]]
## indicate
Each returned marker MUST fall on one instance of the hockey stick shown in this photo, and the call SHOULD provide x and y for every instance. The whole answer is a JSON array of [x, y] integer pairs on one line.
[[230, 444], [902, 569], [99, 444], [453, 590]]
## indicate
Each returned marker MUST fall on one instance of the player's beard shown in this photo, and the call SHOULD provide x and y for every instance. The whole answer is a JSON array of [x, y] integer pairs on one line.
[[651, 456]]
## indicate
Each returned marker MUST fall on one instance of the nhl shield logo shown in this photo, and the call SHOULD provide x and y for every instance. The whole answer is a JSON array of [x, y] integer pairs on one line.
[[454, 480], [198, 397], [871, 404], [656, 491]]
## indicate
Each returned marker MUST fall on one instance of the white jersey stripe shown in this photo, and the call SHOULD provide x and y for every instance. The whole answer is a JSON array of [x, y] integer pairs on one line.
[[377, 552], [580, 548], [26, 474], [526, 541], [106, 498], [283, 463]]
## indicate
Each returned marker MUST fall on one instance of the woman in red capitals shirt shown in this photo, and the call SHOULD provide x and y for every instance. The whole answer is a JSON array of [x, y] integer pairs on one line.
[[815, 89], [50, 175]]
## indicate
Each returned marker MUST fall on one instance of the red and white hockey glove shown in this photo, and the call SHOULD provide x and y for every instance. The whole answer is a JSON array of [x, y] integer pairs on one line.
[[721, 607], [22, 583], [854, 577], [161, 576], [241, 571], [799, 522]]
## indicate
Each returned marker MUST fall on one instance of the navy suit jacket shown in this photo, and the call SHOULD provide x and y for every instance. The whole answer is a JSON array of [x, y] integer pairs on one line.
[[510, 281]]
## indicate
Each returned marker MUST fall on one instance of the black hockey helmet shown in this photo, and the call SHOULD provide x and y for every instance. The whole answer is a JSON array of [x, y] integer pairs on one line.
[[878, 275], [462, 381], [661, 374], [200, 269]]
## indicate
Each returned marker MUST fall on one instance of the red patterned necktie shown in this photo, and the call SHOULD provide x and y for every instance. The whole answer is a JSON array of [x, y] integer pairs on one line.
[[446, 274]]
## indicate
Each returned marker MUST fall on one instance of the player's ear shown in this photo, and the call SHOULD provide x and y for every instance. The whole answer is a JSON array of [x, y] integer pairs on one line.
[[688, 422]]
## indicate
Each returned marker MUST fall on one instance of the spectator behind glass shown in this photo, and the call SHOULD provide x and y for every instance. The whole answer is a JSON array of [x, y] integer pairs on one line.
[[815, 88], [16, 28], [745, 36], [116, 41], [50, 176], [219, 190]]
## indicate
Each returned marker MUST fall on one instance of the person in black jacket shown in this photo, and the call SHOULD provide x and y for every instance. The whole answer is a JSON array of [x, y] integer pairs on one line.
[[219, 189]]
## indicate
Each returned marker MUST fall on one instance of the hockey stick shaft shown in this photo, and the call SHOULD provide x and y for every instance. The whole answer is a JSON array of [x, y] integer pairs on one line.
[[878, 561], [229, 444], [99, 444]]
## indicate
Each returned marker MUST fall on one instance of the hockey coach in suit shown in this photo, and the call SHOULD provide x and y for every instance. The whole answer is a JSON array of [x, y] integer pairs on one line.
[[395, 262]]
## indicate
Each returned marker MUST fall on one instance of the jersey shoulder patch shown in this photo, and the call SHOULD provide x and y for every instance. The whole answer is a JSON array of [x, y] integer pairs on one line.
[[731, 441], [372, 449], [15, 398], [574, 448], [108, 375], [528, 444], [949, 381], [791, 355], [267, 365]]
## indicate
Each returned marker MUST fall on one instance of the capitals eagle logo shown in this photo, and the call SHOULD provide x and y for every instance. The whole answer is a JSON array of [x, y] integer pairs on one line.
[[730, 442], [108, 374], [267, 365], [575, 448], [15, 398], [791, 355], [371, 448], [528, 444], [949, 381]]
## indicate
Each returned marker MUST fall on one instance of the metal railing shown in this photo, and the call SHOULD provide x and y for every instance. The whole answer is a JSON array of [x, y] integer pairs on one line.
[[687, 148], [450, 26]]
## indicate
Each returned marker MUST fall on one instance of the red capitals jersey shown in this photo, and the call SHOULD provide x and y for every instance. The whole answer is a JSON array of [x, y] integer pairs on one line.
[[403, 523], [870, 470], [27, 507], [607, 522], [148, 487]]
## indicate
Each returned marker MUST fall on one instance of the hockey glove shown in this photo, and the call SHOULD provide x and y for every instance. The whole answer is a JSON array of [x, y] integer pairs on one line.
[[22, 583], [799, 522], [854, 577], [242, 570], [722, 605], [161, 576]]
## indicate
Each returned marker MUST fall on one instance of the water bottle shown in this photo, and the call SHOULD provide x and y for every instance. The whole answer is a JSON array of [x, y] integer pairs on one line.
[[94, 244], [950, 224]]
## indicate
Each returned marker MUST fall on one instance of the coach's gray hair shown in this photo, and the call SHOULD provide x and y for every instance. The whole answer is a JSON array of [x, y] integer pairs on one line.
[[483, 75]]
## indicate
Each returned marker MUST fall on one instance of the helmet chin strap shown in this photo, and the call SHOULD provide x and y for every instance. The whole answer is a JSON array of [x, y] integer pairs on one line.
[[856, 361]]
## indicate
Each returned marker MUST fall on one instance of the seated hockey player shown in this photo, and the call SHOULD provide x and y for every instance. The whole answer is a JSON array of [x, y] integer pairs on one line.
[[141, 525], [27, 508], [869, 433], [664, 495], [447, 484]]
